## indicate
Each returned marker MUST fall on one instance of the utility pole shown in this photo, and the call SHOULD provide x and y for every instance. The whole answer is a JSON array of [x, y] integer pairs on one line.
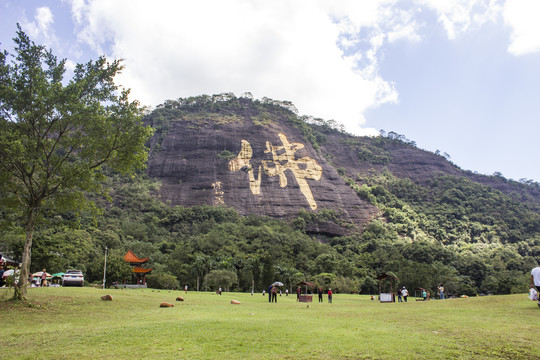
[[105, 268]]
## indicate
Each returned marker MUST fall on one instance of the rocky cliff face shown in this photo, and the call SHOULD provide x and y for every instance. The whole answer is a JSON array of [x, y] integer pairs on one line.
[[262, 167], [259, 159]]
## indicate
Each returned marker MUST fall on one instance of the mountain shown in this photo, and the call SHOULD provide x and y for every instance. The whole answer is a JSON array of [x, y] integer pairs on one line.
[[250, 157], [248, 192], [260, 157]]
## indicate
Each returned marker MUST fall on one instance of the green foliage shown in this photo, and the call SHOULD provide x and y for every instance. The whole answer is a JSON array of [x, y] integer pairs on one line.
[[223, 108], [345, 285], [323, 280], [447, 229], [466, 235], [160, 280], [56, 135], [221, 278], [118, 271], [226, 155], [422, 248], [375, 151]]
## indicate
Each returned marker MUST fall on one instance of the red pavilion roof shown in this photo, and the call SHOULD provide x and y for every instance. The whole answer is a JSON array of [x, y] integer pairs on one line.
[[140, 270], [130, 257]]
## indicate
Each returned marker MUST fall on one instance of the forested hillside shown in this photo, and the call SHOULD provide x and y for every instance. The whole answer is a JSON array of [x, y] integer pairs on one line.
[[380, 204]]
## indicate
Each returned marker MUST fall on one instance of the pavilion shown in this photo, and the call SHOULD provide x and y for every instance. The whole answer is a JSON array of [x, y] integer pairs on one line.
[[138, 271]]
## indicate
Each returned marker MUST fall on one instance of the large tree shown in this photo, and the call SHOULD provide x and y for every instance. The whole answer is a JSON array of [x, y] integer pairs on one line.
[[56, 136]]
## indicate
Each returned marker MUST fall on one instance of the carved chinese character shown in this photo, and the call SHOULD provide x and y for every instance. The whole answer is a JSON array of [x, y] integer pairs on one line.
[[242, 162], [218, 193], [283, 158]]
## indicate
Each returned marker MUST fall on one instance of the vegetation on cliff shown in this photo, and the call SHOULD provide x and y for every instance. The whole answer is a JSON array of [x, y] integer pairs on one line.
[[447, 228]]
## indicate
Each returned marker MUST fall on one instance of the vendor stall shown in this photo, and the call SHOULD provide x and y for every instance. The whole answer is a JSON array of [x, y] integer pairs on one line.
[[305, 296], [387, 292]]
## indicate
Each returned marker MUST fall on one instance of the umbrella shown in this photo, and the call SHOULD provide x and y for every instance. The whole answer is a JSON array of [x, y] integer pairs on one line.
[[38, 274], [277, 283], [60, 274], [8, 273]]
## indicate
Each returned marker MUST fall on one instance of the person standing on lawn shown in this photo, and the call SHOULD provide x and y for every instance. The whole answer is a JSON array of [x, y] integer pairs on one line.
[[441, 291], [405, 293], [274, 294], [535, 280], [43, 278], [329, 296]]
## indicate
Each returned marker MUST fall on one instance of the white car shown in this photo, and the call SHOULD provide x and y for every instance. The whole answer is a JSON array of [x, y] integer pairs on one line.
[[73, 277]]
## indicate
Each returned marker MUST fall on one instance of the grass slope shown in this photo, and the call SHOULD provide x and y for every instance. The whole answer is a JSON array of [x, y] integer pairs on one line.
[[74, 323]]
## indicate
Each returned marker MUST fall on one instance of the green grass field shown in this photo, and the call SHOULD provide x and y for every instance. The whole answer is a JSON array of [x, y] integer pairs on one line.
[[74, 323]]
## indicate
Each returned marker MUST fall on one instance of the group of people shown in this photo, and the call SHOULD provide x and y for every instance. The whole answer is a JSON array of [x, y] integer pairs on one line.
[[403, 293], [39, 281], [5, 272], [273, 292], [320, 291]]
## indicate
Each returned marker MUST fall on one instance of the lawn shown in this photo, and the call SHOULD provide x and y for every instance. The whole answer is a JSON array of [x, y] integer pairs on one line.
[[74, 323]]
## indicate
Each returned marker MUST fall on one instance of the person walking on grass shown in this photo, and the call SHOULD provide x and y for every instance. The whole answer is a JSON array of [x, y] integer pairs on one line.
[[320, 295], [274, 294], [399, 298], [43, 278], [1, 276], [535, 280], [405, 293], [441, 291], [329, 296]]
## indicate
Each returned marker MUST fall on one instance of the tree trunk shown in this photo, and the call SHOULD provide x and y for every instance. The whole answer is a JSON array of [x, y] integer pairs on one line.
[[22, 287]]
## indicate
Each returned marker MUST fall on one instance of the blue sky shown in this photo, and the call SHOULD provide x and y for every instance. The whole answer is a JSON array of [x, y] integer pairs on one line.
[[459, 76]]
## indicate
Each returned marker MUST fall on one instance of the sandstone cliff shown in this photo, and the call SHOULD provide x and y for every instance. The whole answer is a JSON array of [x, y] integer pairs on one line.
[[261, 158], [257, 164]]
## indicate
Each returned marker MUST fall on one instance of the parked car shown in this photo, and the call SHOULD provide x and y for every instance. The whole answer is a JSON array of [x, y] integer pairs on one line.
[[73, 277]]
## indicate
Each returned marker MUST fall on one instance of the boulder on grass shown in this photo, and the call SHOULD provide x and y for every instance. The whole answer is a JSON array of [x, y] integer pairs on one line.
[[164, 304], [179, 298], [236, 302], [106, 297]]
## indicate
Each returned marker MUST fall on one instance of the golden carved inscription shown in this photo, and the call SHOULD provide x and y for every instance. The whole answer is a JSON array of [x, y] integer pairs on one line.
[[218, 193], [283, 159], [242, 162]]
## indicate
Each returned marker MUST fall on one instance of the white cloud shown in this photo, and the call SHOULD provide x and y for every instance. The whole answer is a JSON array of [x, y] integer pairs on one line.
[[460, 16], [41, 27], [323, 56], [523, 16], [407, 32], [279, 49]]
